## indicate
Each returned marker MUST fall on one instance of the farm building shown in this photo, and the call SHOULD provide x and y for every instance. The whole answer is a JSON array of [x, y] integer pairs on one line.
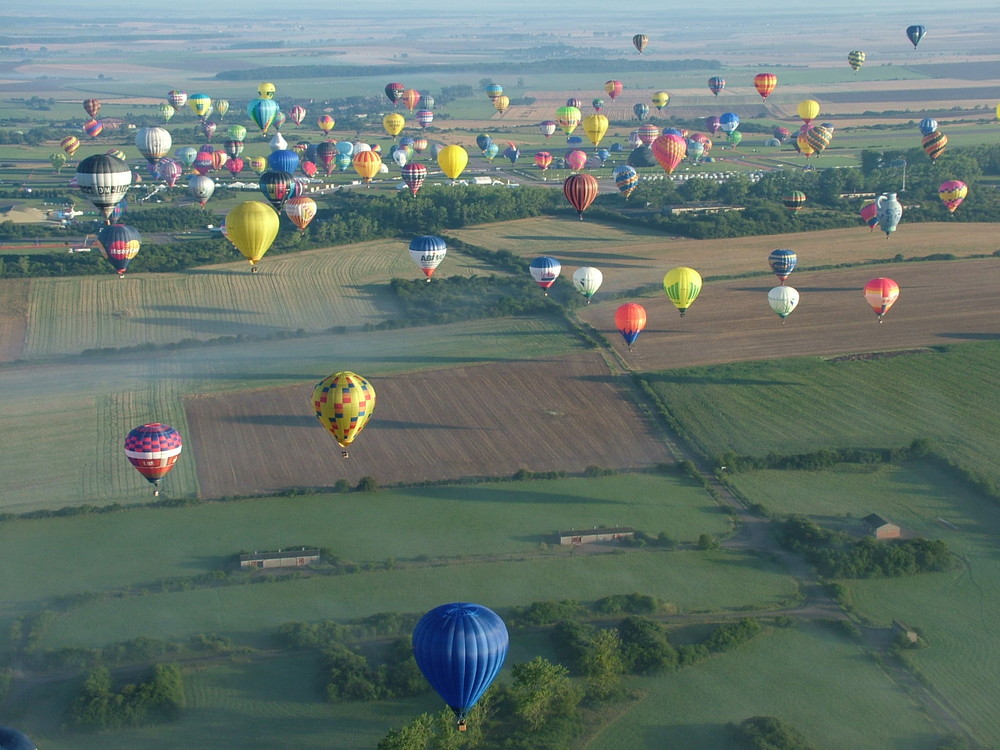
[[880, 528], [596, 534], [282, 558]]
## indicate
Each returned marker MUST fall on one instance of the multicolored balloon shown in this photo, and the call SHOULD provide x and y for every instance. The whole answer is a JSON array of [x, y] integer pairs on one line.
[[613, 88], [543, 159], [639, 41], [626, 179], [765, 84], [394, 92], [344, 403], [660, 100], [934, 144], [869, 213], [427, 252], [630, 320], [545, 270], [580, 190], [414, 174], [669, 150], [881, 294], [153, 449], [953, 192], [301, 209], [855, 58], [782, 263], [104, 180], [716, 84], [794, 200], [890, 211]]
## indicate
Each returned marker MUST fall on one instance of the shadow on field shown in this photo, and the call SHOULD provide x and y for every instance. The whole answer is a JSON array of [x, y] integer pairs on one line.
[[199, 310], [970, 336], [215, 327], [608, 259], [556, 238], [275, 420], [483, 494], [765, 289], [663, 377], [399, 424]]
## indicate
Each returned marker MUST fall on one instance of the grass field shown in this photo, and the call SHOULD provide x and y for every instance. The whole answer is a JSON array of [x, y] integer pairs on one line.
[[954, 610], [802, 405]]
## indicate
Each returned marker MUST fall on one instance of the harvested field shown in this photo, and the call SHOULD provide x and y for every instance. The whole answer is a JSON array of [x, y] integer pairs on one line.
[[13, 318], [492, 420], [940, 303]]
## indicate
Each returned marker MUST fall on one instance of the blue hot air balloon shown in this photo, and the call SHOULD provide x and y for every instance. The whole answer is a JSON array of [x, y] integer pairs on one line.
[[11, 739], [283, 160], [782, 263], [483, 141], [928, 125], [915, 34], [545, 270], [729, 122], [460, 648]]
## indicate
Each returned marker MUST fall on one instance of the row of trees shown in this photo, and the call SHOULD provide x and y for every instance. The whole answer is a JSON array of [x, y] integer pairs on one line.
[[99, 706]]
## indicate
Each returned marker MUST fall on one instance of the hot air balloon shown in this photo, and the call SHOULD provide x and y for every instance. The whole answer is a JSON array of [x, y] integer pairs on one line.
[[580, 190], [597, 103], [200, 104], [427, 252], [855, 58], [301, 210], [393, 123], [934, 144], [660, 100], [204, 160], [953, 192], [881, 293], [574, 101], [869, 212], [915, 34], [647, 133], [729, 122], [208, 128], [576, 159], [70, 144], [91, 107], [119, 244], [545, 270], [367, 164], [233, 148], [783, 299], [167, 111], [626, 178], [818, 137], [547, 127], [890, 211], [641, 156], [104, 180], [630, 319], [221, 107], [252, 227], [394, 92], [483, 141], [587, 281], [460, 648], [420, 145], [344, 402], [236, 164], [512, 153], [453, 160], [201, 188], [716, 84], [414, 174], [93, 128], [153, 143], [641, 111], [410, 99], [326, 152], [669, 150], [613, 88], [543, 159], [11, 739], [153, 450], [928, 125], [639, 41], [177, 99], [595, 126], [237, 132], [808, 110], [502, 103], [258, 164], [568, 118], [424, 117], [265, 90], [712, 124], [765, 83], [297, 114], [58, 160], [283, 160], [494, 90], [794, 200], [782, 263], [263, 112], [682, 285]]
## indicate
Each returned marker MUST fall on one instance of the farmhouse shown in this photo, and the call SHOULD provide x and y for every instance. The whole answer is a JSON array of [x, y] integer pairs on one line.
[[287, 558], [596, 534], [880, 528]]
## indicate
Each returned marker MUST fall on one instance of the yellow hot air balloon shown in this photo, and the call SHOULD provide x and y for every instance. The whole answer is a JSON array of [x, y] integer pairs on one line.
[[367, 164], [808, 110], [595, 126], [393, 123], [200, 104], [452, 160], [682, 285], [344, 402], [660, 100], [252, 227], [265, 90], [502, 103]]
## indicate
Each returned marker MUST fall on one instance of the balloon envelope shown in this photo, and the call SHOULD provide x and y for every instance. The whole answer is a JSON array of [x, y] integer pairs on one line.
[[782, 263], [881, 294], [344, 402], [580, 190], [856, 58], [453, 160], [588, 280], [104, 180], [953, 192], [153, 450], [545, 270], [427, 252], [682, 286], [783, 299], [630, 319], [460, 648], [120, 244], [252, 227], [915, 34], [11, 739]]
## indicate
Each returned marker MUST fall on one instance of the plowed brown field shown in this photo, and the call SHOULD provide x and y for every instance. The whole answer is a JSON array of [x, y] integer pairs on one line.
[[491, 420]]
